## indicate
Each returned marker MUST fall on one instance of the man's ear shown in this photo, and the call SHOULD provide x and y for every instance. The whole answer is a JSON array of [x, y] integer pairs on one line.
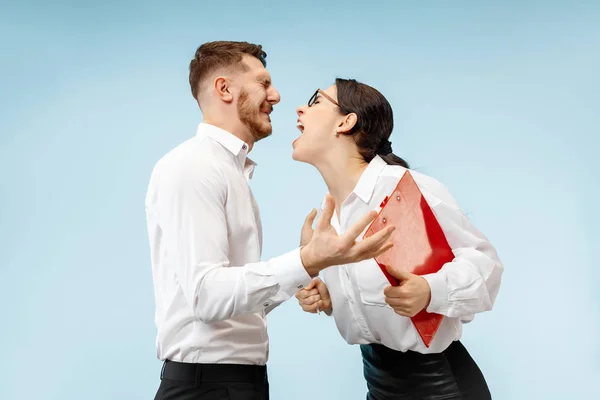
[[222, 87], [345, 125]]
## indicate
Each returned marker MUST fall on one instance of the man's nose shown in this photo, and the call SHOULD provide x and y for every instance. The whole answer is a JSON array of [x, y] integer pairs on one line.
[[273, 96]]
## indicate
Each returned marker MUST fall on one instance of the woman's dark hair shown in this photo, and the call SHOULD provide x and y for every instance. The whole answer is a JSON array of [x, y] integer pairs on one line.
[[375, 120]]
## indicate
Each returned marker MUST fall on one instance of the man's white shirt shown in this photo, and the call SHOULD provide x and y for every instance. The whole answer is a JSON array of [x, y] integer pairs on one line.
[[212, 292]]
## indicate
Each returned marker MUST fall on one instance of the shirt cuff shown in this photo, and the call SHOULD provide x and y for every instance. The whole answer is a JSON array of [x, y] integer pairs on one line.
[[290, 273], [439, 293]]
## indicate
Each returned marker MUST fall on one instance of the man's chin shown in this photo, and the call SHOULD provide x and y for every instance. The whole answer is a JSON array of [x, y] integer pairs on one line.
[[259, 131], [260, 135], [264, 131]]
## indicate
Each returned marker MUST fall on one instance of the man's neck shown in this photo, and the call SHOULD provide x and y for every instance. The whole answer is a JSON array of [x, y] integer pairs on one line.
[[236, 128]]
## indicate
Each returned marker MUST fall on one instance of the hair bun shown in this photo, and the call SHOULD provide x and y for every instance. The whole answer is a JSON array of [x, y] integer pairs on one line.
[[385, 148]]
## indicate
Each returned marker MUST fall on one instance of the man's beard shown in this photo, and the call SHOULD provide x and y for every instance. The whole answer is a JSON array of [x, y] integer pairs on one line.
[[250, 116]]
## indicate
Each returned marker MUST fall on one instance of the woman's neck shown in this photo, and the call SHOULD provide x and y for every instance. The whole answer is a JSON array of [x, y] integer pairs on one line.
[[341, 177]]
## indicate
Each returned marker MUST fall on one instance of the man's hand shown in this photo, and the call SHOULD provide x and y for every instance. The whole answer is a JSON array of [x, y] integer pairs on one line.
[[326, 248], [412, 295], [315, 297]]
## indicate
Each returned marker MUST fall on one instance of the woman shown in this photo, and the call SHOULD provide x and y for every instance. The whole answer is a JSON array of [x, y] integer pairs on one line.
[[345, 135]]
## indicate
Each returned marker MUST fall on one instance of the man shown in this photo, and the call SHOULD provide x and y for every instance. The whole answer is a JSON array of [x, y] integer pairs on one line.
[[212, 291]]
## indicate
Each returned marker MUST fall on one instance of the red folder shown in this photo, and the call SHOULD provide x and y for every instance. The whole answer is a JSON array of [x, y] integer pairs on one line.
[[420, 246]]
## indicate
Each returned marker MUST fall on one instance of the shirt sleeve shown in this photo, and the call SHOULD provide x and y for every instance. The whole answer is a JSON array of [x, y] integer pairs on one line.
[[470, 283], [191, 212]]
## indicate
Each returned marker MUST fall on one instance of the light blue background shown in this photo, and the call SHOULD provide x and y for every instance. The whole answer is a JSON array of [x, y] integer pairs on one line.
[[498, 101]]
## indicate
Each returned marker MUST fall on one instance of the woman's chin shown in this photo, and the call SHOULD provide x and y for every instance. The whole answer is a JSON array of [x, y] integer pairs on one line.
[[295, 155], [298, 155]]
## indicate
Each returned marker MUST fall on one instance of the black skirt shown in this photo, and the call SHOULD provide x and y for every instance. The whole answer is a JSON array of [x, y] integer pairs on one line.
[[395, 375]]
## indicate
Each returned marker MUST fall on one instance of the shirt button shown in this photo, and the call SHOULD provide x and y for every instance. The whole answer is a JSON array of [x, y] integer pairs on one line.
[[266, 304], [244, 147]]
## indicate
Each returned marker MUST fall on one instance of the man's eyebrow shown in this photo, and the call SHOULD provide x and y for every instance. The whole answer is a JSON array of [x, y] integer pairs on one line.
[[265, 79]]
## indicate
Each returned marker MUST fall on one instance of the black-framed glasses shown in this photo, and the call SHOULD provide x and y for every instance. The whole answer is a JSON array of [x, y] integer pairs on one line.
[[322, 93]]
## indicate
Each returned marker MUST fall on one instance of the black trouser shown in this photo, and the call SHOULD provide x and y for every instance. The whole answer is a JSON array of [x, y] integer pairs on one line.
[[183, 381], [395, 375]]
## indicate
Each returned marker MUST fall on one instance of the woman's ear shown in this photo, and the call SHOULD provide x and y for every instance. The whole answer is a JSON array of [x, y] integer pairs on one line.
[[346, 124]]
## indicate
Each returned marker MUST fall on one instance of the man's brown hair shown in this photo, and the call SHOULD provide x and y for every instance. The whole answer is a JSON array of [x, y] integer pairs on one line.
[[221, 54]]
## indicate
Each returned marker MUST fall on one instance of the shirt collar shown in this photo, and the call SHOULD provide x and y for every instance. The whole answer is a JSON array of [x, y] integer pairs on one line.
[[366, 184], [232, 143]]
